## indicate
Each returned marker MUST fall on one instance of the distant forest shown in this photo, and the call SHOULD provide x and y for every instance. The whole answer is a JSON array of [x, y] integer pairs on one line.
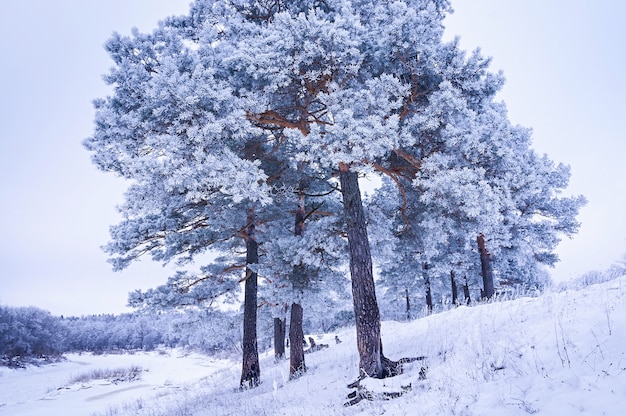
[[30, 335]]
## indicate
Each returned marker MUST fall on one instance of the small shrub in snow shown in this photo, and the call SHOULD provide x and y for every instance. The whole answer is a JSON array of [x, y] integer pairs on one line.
[[115, 375]]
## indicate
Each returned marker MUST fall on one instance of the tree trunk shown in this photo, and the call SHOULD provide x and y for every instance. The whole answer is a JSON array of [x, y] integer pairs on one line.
[[408, 304], [466, 291], [486, 268], [455, 296], [300, 211], [279, 338], [297, 365], [366, 312], [429, 297], [251, 372]]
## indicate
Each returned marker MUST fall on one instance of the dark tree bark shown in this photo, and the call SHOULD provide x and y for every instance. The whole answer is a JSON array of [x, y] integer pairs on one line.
[[408, 304], [466, 291], [251, 372], [279, 338], [455, 295], [486, 268], [297, 365], [429, 297], [366, 312]]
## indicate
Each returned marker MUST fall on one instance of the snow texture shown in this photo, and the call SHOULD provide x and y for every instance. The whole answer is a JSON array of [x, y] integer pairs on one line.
[[559, 353]]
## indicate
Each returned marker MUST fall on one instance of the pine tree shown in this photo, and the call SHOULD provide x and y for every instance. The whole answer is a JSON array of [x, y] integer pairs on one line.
[[176, 128], [475, 186], [339, 80], [181, 125]]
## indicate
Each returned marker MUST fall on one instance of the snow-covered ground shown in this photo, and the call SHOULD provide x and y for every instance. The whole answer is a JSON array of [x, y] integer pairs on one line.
[[557, 354], [49, 390]]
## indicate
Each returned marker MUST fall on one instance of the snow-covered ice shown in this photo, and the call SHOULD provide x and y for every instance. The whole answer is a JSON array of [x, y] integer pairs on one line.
[[556, 354], [46, 390]]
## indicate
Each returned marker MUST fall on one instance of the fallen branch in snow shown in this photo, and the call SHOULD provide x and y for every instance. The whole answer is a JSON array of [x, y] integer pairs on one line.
[[363, 393], [398, 370], [377, 389]]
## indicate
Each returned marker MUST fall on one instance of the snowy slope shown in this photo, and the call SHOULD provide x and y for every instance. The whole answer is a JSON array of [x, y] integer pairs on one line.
[[557, 354]]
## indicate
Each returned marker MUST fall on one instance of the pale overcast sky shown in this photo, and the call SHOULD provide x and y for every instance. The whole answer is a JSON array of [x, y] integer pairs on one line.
[[564, 61]]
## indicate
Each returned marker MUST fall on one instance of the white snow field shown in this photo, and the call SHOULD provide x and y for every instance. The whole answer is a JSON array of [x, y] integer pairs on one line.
[[556, 354]]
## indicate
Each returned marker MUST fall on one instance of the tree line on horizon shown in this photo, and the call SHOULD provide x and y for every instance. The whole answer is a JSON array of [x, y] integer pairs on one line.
[[31, 335]]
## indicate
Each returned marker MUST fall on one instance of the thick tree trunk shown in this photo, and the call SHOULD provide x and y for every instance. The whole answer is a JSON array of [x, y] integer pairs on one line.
[[366, 312], [297, 365], [279, 338], [486, 268], [455, 295], [251, 372]]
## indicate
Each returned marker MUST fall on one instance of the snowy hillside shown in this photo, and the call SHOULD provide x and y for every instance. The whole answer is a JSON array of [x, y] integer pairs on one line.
[[558, 354]]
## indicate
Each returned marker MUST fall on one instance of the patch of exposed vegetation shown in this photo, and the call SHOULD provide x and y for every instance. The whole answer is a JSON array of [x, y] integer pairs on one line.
[[114, 375]]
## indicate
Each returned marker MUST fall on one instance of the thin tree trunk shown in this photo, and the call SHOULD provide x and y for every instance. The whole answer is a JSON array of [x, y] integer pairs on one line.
[[408, 304], [300, 211], [279, 338], [366, 312], [486, 268], [455, 296], [429, 297], [466, 291], [251, 372], [297, 366]]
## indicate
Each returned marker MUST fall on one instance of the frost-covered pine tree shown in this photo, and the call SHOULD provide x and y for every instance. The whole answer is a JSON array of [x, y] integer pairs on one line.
[[181, 125], [471, 173], [176, 127], [339, 78], [301, 260], [537, 215], [442, 200]]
